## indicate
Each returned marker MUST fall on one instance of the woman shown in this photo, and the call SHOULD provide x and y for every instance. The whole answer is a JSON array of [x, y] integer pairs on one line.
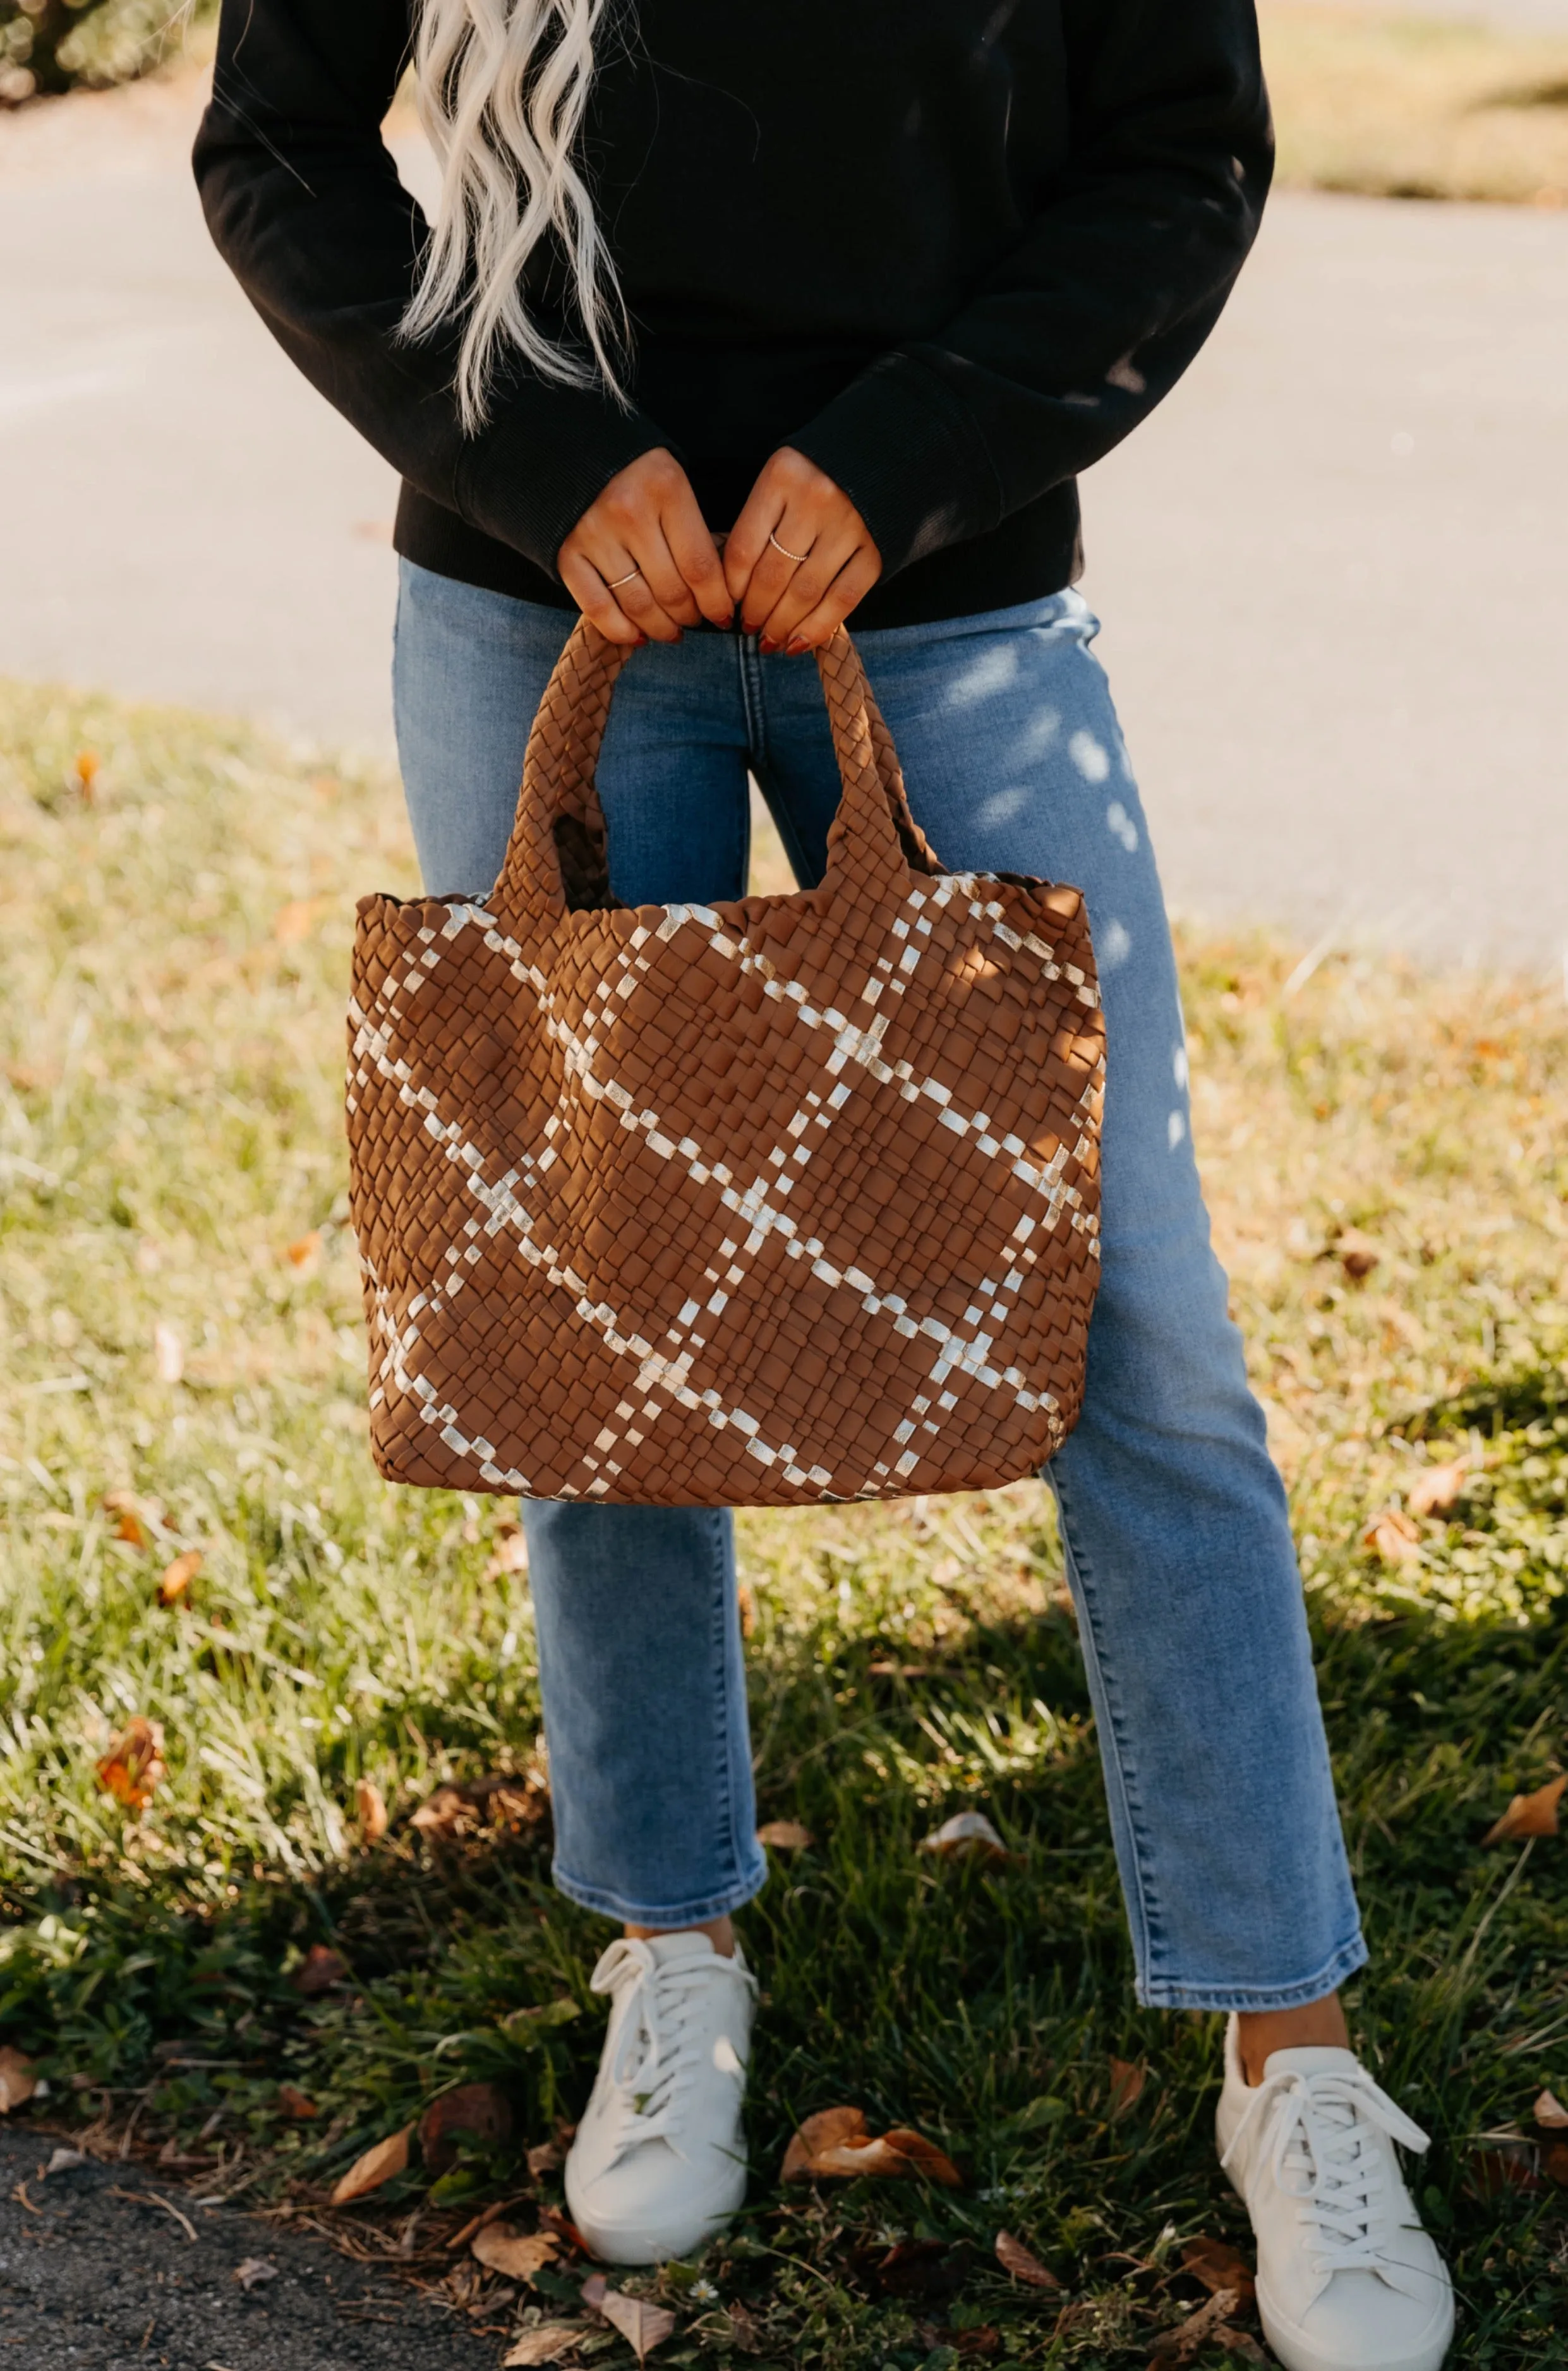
[[734, 322]]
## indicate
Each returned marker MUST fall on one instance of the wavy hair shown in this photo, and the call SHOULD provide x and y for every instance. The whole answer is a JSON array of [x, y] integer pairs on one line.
[[502, 87]]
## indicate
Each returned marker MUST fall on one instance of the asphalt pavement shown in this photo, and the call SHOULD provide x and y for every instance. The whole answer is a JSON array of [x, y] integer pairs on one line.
[[1330, 567], [105, 2268]]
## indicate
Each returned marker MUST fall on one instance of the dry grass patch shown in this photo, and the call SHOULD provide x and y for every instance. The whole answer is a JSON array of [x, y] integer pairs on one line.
[[1398, 107]]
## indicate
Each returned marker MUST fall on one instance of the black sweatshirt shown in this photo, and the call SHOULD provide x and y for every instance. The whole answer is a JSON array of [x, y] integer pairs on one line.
[[950, 250]]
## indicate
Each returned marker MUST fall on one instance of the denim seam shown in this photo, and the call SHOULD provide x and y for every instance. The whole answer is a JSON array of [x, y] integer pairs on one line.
[[672, 1915], [1147, 1934], [1337, 1970], [724, 1795]]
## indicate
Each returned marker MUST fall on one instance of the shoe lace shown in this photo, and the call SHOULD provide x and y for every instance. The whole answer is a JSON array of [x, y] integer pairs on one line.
[[1322, 2152], [658, 2049]]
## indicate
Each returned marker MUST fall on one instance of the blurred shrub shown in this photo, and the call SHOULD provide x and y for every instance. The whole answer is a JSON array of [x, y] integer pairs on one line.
[[50, 45]]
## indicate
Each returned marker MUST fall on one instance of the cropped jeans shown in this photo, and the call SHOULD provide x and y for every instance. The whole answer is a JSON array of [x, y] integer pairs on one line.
[[1178, 1548]]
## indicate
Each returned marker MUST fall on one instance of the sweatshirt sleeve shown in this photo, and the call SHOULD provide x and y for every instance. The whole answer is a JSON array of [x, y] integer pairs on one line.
[[1114, 283], [304, 204]]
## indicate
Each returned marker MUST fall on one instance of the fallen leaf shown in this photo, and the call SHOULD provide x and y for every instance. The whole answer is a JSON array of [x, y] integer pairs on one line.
[[305, 1251], [1219, 2266], [517, 2255], [546, 2342], [552, 2219], [1392, 1538], [1436, 1487], [1550, 2114], [370, 1809], [883, 1669], [517, 1797], [1358, 1256], [295, 2103], [320, 1969], [475, 2112], [253, 2272], [178, 1576], [1179, 2345], [1554, 2164], [544, 2158], [1494, 2171], [643, 2326], [133, 1764], [834, 2144], [65, 2160], [982, 2340], [86, 772], [744, 2331], [1126, 2087], [295, 920], [129, 1526], [968, 1835], [169, 1353], [785, 1835], [746, 1598], [1529, 1815], [511, 1551], [378, 2164], [18, 2080], [1018, 2259]]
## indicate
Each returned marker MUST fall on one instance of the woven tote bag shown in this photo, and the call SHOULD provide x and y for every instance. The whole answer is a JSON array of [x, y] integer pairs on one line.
[[760, 1204]]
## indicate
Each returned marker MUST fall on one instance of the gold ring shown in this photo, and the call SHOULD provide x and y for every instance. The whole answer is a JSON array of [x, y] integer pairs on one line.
[[611, 582], [796, 556]]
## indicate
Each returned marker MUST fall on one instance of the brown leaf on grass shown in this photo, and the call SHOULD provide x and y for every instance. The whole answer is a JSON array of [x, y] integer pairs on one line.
[[643, 2326], [834, 2144], [295, 2103], [516, 2254], [984, 2341], [295, 920], [545, 2158], [744, 2331], [1392, 1538], [131, 1516], [320, 1969], [178, 1576], [1126, 2087], [785, 1835], [511, 1551], [133, 1764], [1550, 2114], [546, 2342], [1219, 2266], [515, 1799], [369, 1810], [1496, 2172], [305, 1252], [1358, 1255], [746, 1598], [1554, 2164], [378, 2164], [1437, 1488], [474, 2112], [18, 2080], [85, 768], [552, 2219], [1529, 1815], [968, 1835], [1200, 2329], [1023, 2264]]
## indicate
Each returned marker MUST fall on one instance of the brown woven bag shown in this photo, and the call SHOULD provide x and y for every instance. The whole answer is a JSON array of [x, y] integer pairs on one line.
[[759, 1204]]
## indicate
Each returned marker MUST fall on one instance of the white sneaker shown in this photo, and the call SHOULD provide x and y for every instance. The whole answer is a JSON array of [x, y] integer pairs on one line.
[[658, 2163], [1348, 2279]]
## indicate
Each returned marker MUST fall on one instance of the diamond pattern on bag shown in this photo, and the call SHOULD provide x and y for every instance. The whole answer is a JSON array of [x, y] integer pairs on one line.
[[759, 1204]]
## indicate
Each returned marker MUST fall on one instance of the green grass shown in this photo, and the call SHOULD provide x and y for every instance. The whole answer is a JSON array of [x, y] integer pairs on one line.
[[174, 959]]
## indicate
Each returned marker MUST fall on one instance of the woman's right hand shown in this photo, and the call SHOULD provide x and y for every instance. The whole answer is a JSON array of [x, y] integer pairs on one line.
[[646, 520]]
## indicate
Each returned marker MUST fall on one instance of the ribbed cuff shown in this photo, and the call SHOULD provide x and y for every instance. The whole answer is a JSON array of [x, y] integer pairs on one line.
[[530, 477], [905, 450]]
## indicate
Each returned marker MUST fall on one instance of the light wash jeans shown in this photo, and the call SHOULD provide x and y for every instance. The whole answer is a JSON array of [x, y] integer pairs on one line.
[[1178, 1548]]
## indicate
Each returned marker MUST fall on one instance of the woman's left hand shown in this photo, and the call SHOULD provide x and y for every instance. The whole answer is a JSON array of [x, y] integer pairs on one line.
[[798, 604]]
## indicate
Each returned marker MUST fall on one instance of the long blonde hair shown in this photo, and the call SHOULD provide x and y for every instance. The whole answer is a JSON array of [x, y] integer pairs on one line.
[[502, 88]]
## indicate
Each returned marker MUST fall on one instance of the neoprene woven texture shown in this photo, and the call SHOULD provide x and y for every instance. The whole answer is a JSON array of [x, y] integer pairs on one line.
[[760, 1204]]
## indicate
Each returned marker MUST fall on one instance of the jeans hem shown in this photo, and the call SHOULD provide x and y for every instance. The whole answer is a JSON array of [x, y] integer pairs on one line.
[[671, 1915], [1244, 1998]]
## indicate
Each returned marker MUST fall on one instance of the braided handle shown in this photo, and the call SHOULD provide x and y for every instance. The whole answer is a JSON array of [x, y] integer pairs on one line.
[[872, 842]]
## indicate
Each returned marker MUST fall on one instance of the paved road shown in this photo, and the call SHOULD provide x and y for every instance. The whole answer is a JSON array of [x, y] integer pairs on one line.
[[1330, 567], [96, 2276]]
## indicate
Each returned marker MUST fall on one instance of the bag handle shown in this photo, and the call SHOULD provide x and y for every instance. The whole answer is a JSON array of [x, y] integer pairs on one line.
[[559, 841]]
